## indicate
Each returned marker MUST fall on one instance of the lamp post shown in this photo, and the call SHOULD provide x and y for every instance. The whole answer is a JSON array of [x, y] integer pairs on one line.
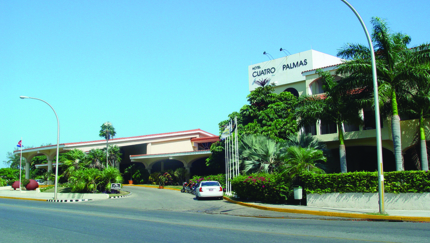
[[58, 143], [377, 119]]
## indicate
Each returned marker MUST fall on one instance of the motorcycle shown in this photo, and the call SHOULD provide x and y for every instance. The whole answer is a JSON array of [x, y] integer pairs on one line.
[[184, 187]]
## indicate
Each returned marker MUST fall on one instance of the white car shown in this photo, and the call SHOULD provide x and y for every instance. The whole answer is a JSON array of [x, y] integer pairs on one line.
[[210, 189]]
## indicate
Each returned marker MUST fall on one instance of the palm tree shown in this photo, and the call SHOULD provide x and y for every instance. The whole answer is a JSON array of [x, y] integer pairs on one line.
[[92, 178], [108, 176], [335, 106], [107, 129], [74, 160], [259, 154], [417, 104], [114, 156], [396, 67], [96, 156], [300, 159]]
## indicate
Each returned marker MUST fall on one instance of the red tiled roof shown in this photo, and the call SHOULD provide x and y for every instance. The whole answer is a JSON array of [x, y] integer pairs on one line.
[[119, 139], [206, 139]]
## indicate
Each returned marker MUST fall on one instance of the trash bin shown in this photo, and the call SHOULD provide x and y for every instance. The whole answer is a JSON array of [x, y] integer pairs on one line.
[[298, 192]]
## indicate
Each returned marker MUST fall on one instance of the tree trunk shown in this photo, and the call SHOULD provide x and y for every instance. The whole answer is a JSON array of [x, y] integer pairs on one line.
[[342, 156], [397, 142], [342, 150], [423, 149]]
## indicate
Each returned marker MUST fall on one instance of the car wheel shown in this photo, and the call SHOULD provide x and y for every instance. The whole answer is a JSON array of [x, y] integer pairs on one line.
[[182, 190]]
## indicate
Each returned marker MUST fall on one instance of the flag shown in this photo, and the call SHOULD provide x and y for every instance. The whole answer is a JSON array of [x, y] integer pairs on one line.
[[226, 132], [19, 144]]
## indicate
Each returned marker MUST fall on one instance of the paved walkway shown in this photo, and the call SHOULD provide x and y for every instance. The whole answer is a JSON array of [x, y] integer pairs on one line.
[[351, 213]]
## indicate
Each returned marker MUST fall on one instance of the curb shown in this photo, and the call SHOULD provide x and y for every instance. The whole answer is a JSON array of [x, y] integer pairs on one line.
[[156, 187], [335, 214], [68, 200], [24, 198], [116, 197]]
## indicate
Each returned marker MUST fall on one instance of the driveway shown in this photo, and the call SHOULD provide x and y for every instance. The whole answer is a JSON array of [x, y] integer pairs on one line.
[[143, 198]]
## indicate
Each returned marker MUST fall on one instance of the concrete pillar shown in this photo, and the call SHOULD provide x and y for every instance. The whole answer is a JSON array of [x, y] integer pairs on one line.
[[188, 168], [27, 169], [50, 158]]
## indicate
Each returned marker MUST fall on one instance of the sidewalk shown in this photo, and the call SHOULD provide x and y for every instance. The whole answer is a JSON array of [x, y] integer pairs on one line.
[[353, 213], [6, 192]]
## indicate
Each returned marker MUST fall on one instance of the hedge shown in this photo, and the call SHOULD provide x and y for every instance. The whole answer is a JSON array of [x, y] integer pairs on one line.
[[220, 178], [395, 182], [270, 188]]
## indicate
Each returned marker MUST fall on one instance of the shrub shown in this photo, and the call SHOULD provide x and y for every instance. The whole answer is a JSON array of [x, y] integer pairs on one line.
[[2, 182], [264, 187], [154, 178], [220, 178], [395, 182], [24, 182]]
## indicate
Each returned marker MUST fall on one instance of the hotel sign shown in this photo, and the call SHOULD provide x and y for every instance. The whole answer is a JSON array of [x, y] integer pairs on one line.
[[281, 71]]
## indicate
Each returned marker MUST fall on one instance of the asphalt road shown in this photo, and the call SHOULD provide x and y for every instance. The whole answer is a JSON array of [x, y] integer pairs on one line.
[[151, 215]]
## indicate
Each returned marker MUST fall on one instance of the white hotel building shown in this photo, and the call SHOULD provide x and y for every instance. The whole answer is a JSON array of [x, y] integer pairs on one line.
[[297, 74]]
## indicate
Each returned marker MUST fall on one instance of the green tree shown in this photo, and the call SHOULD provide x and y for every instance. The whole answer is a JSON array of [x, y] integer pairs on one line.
[[259, 154], [114, 156], [96, 158], [417, 105], [12, 160], [335, 106], [298, 159], [107, 128], [396, 67], [73, 160], [108, 176], [268, 113], [9, 174]]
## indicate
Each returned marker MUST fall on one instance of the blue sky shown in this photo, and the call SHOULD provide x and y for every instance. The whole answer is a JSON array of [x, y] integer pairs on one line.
[[159, 66]]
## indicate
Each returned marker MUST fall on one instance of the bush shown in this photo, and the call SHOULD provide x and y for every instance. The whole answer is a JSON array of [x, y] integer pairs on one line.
[[138, 174], [263, 187], [93, 180], [24, 182], [220, 178], [154, 178], [395, 182], [2, 182]]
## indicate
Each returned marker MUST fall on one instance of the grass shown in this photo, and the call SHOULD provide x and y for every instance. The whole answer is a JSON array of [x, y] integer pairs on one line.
[[166, 186]]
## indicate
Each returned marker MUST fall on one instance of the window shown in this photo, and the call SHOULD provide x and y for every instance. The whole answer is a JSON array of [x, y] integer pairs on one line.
[[350, 128], [210, 183], [316, 87], [293, 91], [204, 146], [327, 128], [311, 129]]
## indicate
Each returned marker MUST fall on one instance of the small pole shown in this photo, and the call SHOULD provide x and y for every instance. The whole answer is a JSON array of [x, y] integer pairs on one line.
[[20, 165]]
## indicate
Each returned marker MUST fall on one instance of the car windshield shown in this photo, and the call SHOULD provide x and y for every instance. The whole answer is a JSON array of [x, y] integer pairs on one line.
[[210, 183]]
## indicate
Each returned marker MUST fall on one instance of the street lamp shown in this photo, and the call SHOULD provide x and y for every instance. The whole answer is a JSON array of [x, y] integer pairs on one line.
[[58, 143], [377, 119]]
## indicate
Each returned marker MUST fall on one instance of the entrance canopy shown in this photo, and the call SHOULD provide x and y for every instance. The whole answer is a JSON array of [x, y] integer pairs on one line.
[[185, 146]]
